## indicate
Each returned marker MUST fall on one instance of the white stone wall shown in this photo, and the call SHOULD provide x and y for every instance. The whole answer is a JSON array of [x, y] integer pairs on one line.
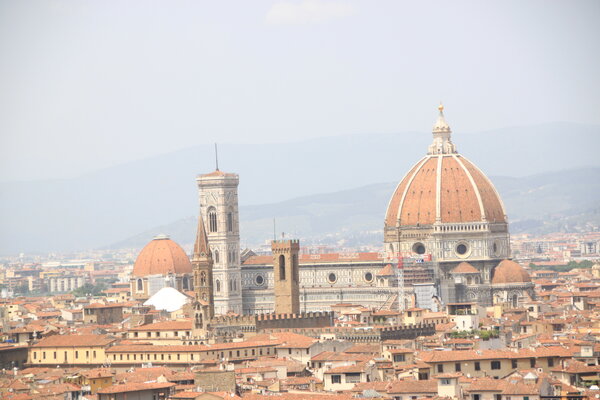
[[318, 292]]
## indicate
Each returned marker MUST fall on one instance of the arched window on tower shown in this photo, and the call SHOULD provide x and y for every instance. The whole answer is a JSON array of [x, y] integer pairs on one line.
[[212, 220], [140, 285], [282, 267], [229, 221], [203, 278], [216, 256], [218, 285]]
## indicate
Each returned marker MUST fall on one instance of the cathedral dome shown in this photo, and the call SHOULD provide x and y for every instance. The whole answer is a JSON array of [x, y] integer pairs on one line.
[[444, 187], [162, 256], [509, 271]]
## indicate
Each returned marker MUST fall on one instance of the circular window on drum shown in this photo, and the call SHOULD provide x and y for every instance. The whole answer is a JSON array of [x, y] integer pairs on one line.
[[368, 277], [462, 249], [418, 248], [331, 278], [259, 280]]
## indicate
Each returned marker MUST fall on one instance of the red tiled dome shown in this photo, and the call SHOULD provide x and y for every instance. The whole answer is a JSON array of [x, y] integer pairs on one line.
[[509, 271], [446, 187], [162, 256]]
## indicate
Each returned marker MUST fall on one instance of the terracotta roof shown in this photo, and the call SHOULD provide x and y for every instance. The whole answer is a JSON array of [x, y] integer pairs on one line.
[[140, 348], [486, 385], [302, 396], [468, 355], [254, 370], [401, 351], [386, 271], [292, 340], [102, 305], [465, 268], [507, 386], [219, 173], [135, 387], [364, 348], [413, 386], [577, 367], [337, 356], [165, 326], [347, 369], [97, 373], [378, 386], [186, 395], [162, 256], [141, 375], [74, 341]]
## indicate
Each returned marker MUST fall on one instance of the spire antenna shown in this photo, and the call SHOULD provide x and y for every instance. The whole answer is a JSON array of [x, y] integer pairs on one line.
[[217, 156]]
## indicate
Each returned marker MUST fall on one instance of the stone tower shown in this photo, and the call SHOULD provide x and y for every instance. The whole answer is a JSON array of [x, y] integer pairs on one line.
[[202, 264], [219, 208], [286, 275]]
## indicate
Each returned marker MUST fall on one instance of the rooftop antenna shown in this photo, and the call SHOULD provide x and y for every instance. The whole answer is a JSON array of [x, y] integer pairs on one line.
[[274, 231], [217, 156]]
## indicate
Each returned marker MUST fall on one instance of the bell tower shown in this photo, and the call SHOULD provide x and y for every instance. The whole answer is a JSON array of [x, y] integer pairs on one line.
[[286, 275], [219, 208]]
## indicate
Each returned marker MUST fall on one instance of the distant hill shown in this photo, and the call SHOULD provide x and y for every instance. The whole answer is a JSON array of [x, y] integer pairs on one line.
[[119, 202], [550, 202]]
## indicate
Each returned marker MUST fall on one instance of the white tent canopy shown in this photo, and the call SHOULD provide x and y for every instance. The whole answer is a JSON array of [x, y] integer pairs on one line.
[[168, 299]]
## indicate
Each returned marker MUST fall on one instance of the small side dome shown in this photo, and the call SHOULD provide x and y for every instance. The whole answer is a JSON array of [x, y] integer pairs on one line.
[[509, 271], [386, 271], [464, 268], [162, 256]]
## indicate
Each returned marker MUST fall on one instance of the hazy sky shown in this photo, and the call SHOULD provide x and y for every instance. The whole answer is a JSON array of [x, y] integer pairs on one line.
[[87, 84]]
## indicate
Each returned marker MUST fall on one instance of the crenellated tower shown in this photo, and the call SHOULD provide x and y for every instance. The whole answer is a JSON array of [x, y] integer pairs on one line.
[[286, 275]]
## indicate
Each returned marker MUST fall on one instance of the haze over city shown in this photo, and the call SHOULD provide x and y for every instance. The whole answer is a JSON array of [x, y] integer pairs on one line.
[[288, 89], [91, 84]]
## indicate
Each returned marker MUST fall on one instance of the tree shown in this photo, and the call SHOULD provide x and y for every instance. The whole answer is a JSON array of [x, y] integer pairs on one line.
[[89, 289]]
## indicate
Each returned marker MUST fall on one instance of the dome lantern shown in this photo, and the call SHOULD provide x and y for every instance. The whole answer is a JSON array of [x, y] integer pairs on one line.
[[442, 143]]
